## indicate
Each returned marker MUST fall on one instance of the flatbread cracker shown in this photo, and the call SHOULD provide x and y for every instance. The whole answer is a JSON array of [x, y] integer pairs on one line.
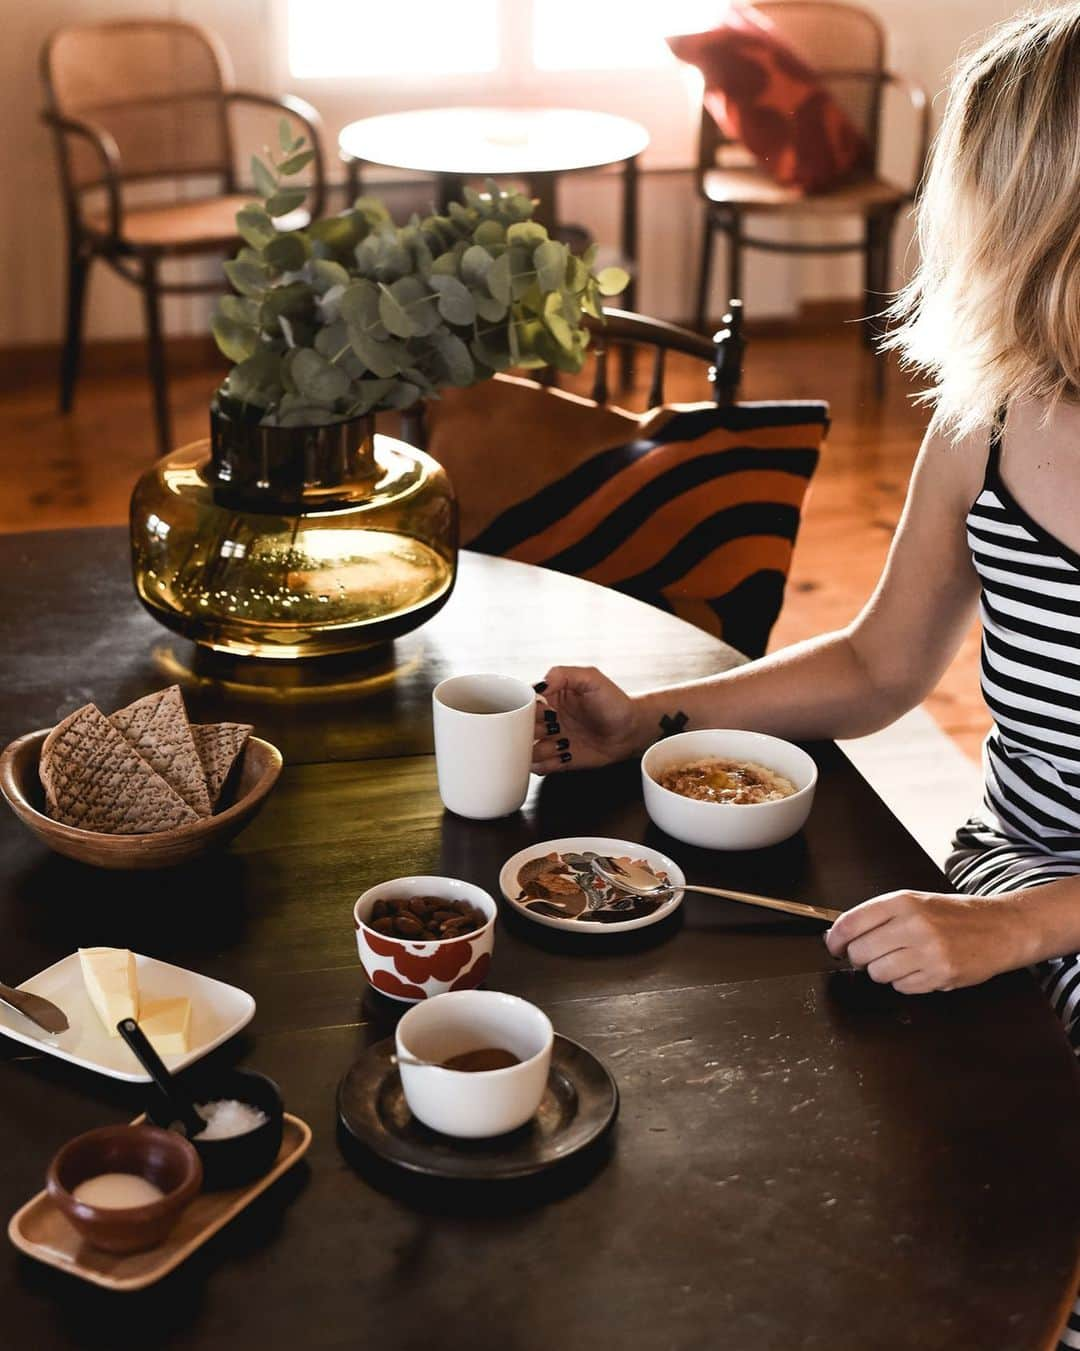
[[158, 728], [218, 744], [94, 779]]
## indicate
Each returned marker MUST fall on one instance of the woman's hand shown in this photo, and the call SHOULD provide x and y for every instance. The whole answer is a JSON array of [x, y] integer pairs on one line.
[[917, 942], [587, 721]]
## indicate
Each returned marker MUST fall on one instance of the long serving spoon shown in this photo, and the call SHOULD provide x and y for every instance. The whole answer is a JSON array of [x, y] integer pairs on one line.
[[179, 1100], [39, 1011], [639, 881]]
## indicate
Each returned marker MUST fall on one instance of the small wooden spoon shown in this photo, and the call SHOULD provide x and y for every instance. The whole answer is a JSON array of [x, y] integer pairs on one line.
[[639, 881]]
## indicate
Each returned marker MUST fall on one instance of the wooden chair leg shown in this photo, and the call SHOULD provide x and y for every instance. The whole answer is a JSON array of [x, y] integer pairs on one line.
[[705, 271], [872, 301], [78, 268], [155, 351], [735, 258]]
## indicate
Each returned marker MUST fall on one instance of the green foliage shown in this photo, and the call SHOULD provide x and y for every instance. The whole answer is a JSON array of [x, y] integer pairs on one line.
[[354, 314]]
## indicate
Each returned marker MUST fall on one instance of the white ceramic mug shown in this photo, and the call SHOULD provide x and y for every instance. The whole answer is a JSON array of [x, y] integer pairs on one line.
[[487, 1102], [483, 743]]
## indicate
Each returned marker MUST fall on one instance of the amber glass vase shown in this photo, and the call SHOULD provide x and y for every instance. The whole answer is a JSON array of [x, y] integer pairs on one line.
[[293, 542]]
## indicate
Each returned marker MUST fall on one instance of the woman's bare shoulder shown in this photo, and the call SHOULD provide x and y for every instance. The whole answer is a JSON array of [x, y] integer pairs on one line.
[[954, 468]]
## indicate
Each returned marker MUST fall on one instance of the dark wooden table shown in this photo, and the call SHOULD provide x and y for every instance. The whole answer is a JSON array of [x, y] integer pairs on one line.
[[801, 1159]]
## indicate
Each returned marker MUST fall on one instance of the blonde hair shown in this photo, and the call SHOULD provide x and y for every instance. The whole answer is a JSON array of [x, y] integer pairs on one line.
[[993, 312]]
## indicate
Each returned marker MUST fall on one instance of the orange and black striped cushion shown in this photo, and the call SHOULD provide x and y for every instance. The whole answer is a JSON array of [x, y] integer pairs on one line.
[[699, 517]]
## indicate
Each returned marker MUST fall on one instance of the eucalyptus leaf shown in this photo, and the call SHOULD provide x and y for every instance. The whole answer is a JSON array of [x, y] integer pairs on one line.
[[256, 380], [239, 309], [612, 281], [250, 279], [288, 252], [456, 303], [296, 162], [488, 307], [235, 340], [255, 226], [489, 232], [383, 359], [499, 279], [295, 301], [263, 177], [529, 232], [285, 200], [549, 259], [360, 304], [326, 275], [475, 264], [395, 316], [285, 134], [317, 379], [455, 358]]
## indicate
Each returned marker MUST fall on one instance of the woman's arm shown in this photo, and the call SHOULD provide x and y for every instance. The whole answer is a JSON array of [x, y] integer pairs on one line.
[[919, 942], [843, 684]]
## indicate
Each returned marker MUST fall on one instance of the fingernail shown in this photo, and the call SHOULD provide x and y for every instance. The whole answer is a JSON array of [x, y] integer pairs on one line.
[[553, 729], [550, 715], [540, 686], [566, 757], [563, 745]]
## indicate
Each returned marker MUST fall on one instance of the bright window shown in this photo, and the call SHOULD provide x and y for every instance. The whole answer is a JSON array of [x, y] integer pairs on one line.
[[342, 38], [339, 39], [612, 34]]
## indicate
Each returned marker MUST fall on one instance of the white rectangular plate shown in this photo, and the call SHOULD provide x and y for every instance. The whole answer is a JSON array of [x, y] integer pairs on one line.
[[218, 1012]]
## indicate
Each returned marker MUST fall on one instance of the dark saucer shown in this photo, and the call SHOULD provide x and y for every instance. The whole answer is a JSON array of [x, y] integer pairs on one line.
[[578, 1106]]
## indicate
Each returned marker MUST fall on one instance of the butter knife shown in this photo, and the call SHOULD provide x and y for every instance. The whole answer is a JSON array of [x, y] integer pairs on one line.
[[32, 1006]]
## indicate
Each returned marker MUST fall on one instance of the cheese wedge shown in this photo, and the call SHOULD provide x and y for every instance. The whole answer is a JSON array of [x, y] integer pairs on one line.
[[109, 977], [167, 1022]]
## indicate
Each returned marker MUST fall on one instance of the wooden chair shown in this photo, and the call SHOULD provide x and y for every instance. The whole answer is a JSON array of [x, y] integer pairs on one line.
[[845, 45], [140, 101], [693, 508]]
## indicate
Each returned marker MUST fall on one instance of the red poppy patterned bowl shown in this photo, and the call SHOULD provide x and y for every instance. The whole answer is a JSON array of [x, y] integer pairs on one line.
[[410, 971]]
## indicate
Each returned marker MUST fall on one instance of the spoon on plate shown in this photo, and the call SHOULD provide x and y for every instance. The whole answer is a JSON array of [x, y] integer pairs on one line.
[[180, 1101], [39, 1011], [639, 881]]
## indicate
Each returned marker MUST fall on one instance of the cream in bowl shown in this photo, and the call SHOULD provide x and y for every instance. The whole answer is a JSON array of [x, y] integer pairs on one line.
[[727, 789], [418, 937], [474, 1063]]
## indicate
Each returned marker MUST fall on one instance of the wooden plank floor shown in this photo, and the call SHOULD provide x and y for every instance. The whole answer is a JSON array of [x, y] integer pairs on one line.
[[79, 471]]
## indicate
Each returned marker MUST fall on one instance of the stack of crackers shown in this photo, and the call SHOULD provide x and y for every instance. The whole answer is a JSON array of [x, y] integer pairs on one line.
[[144, 769]]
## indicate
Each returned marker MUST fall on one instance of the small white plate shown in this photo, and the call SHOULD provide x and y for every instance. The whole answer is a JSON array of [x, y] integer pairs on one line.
[[218, 1011], [595, 844]]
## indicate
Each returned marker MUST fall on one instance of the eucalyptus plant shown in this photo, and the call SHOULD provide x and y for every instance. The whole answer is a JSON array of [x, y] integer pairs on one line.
[[353, 314]]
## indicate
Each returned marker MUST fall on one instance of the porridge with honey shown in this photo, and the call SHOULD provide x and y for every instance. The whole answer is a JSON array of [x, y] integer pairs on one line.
[[731, 781]]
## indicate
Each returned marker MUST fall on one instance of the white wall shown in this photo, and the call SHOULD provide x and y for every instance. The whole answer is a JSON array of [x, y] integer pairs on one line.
[[925, 36]]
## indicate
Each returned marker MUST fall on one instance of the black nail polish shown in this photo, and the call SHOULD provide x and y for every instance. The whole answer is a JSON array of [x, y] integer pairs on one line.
[[540, 686], [566, 757], [550, 715], [563, 745], [553, 729]]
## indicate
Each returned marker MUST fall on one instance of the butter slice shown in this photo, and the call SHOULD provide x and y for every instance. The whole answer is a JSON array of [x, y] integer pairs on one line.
[[167, 1022], [109, 977]]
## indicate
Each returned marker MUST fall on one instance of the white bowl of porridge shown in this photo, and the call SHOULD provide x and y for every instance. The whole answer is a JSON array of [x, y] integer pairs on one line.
[[723, 789]]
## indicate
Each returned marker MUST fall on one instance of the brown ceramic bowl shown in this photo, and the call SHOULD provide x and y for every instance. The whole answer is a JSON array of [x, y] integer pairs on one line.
[[256, 774], [162, 1157]]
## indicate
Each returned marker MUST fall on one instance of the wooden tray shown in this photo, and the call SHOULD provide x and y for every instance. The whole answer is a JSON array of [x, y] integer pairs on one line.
[[40, 1231]]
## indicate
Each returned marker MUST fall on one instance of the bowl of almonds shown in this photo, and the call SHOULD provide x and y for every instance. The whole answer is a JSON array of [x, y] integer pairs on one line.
[[421, 936]]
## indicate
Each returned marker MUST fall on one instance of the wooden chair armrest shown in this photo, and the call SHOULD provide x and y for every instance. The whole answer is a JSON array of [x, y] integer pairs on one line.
[[108, 154], [308, 117], [920, 105]]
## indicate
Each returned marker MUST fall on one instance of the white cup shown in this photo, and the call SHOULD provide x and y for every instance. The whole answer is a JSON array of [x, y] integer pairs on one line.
[[483, 743], [475, 1104]]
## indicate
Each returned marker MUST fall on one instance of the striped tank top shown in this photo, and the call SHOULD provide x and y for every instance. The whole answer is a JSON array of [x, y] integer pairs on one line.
[[1030, 668]]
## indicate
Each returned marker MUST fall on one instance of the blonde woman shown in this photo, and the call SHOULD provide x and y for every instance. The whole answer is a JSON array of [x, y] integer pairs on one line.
[[992, 516]]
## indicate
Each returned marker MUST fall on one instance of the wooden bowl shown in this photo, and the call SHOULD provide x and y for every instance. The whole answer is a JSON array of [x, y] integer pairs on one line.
[[162, 1157], [254, 776]]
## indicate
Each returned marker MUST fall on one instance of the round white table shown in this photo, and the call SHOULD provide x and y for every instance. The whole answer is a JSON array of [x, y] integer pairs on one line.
[[535, 144]]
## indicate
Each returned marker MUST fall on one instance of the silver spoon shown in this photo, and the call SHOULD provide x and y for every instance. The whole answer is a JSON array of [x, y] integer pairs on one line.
[[47, 1016], [639, 881]]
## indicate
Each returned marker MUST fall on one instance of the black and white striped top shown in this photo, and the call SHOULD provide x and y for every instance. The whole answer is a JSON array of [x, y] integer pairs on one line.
[[1030, 668]]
